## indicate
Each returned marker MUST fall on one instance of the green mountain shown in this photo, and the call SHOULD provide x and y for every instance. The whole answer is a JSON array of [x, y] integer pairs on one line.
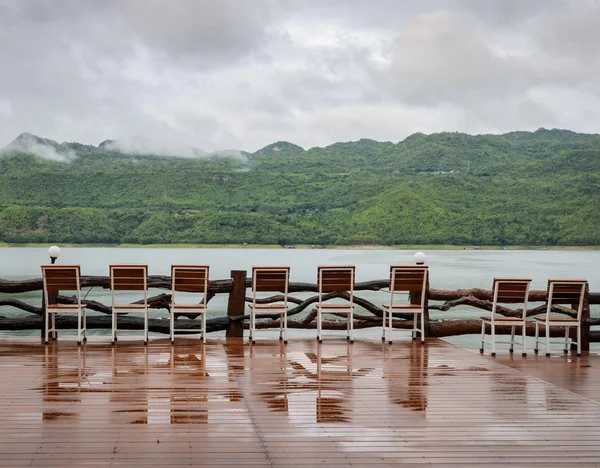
[[281, 147], [520, 188]]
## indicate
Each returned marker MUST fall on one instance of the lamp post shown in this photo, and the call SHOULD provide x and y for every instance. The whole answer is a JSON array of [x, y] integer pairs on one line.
[[54, 253], [420, 258]]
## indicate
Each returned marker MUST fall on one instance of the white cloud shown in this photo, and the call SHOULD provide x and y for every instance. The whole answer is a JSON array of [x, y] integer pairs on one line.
[[217, 74]]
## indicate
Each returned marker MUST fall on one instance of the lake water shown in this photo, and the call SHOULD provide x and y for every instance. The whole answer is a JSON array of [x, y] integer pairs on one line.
[[449, 269]]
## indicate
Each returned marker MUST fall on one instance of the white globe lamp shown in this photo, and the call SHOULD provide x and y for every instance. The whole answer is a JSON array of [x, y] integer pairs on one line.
[[54, 253], [420, 258]]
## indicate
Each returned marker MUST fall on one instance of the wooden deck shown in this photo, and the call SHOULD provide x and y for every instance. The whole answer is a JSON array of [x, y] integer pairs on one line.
[[303, 404]]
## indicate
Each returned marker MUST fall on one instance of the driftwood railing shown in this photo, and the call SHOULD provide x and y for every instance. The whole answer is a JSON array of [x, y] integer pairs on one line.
[[233, 323]]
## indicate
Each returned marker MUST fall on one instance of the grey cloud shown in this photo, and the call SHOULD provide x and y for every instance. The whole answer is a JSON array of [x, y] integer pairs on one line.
[[239, 74]]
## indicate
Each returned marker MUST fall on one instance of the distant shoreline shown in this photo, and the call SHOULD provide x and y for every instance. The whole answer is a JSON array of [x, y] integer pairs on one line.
[[316, 247]]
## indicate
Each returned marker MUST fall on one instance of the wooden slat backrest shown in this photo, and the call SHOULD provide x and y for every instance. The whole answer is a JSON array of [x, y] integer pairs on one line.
[[511, 290], [189, 278], [129, 277], [566, 291], [270, 279], [61, 277], [334, 278], [408, 278]]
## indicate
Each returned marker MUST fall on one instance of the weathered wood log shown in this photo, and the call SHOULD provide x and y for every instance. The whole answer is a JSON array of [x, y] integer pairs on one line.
[[506, 311], [236, 304], [21, 305], [445, 328], [156, 325], [154, 281]]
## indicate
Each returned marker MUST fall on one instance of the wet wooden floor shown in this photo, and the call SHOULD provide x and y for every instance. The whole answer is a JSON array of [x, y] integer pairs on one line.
[[303, 404]]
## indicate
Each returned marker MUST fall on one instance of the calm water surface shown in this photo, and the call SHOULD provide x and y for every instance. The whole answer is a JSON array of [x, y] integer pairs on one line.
[[449, 269]]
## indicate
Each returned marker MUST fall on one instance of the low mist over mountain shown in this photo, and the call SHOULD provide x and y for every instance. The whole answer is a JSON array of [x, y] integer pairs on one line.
[[519, 188], [46, 148]]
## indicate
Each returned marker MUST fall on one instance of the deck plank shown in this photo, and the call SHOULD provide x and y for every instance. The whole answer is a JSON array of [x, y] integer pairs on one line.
[[304, 404]]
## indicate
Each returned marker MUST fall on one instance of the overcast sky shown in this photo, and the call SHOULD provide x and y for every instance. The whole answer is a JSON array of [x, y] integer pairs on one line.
[[244, 73]]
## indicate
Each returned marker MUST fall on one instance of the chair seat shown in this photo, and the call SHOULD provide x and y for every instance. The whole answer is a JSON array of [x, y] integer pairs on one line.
[[65, 307], [187, 306], [336, 308], [267, 306], [415, 307], [557, 319], [130, 306], [502, 319]]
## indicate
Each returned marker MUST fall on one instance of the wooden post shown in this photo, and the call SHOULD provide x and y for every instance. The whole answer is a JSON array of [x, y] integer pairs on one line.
[[415, 298], [236, 304], [426, 310], [43, 329], [585, 320]]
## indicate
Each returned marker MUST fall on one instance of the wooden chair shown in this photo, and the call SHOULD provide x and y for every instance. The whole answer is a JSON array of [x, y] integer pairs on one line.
[[562, 291], [129, 277], [507, 291], [410, 279], [332, 279], [62, 278], [192, 279], [270, 279]]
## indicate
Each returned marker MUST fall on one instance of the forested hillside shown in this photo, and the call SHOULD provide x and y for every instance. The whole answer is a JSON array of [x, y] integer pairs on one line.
[[520, 188]]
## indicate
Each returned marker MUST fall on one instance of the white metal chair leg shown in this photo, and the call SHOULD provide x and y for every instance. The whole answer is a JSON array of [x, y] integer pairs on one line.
[[84, 325], [172, 327], [536, 349], [579, 340], [281, 326], [493, 339], [114, 327], [79, 327], [512, 339], [347, 327], [383, 325], [351, 318], [46, 328], [146, 327], [285, 327], [566, 350], [547, 326], [390, 326], [204, 327], [54, 332], [414, 330], [319, 338], [422, 328], [481, 350], [524, 353]]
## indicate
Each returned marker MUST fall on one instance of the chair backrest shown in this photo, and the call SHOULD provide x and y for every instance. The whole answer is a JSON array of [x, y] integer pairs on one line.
[[511, 291], [335, 278], [129, 277], [61, 278], [189, 279], [409, 278], [566, 291], [270, 279]]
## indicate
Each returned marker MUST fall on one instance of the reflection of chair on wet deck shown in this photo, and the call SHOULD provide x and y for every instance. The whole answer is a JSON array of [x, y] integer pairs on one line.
[[62, 278], [189, 280], [336, 279], [188, 367], [412, 280], [507, 291], [333, 385], [129, 277], [270, 279], [562, 291]]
